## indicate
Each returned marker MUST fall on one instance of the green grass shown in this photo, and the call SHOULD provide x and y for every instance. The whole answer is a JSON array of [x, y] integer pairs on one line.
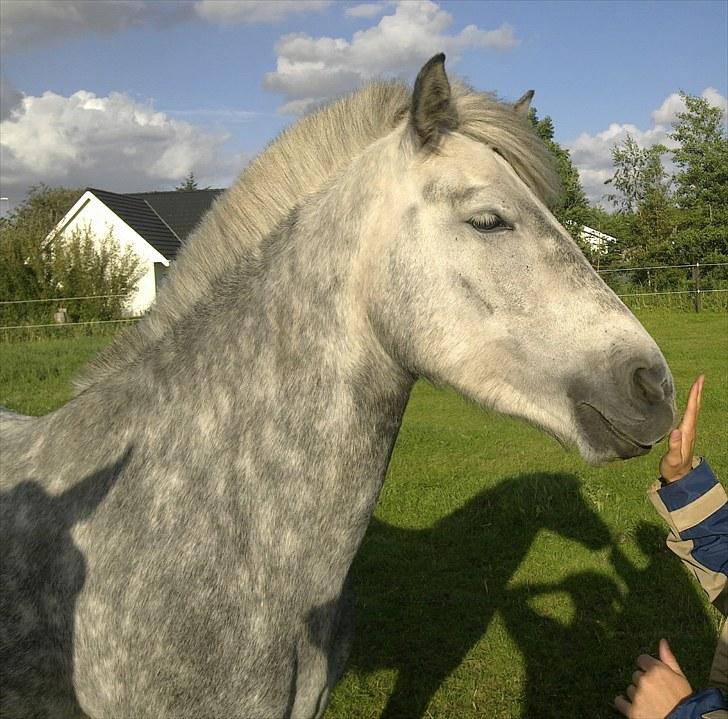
[[500, 577], [35, 376]]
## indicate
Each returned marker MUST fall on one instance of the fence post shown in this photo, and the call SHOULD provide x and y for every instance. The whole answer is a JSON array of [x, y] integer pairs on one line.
[[696, 280]]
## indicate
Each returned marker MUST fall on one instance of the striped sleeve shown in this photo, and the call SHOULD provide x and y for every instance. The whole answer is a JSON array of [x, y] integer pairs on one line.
[[709, 704], [696, 510]]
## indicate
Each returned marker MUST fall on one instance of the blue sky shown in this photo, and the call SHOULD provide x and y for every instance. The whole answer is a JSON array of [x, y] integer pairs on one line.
[[133, 95]]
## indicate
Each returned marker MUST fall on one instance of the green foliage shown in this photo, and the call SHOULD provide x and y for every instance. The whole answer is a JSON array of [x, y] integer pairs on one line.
[[702, 155], [36, 264], [43, 208], [673, 220], [639, 176], [573, 208], [702, 180]]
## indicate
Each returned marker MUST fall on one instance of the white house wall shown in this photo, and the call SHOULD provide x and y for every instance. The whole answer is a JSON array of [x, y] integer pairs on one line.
[[96, 215]]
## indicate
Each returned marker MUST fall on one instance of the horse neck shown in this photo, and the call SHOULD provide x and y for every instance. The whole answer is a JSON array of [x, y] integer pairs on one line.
[[279, 379]]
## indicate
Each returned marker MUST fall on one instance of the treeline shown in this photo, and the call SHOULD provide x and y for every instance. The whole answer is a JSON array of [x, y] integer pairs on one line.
[[667, 206]]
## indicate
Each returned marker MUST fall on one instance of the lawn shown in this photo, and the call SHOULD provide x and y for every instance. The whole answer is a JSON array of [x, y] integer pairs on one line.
[[500, 577]]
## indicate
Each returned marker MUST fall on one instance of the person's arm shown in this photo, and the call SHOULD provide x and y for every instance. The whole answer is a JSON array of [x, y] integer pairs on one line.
[[695, 506]]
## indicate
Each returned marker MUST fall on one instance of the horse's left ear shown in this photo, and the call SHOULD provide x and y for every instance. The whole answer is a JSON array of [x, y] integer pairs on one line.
[[522, 105], [432, 110]]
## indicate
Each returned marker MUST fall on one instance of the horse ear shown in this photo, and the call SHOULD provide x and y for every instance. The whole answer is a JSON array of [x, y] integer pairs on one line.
[[522, 105], [432, 110]]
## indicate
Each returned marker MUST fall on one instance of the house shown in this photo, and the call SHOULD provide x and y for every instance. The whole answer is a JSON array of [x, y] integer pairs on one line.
[[153, 224], [598, 242]]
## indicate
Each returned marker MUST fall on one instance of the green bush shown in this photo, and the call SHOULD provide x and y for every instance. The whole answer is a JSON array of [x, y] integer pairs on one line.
[[39, 267]]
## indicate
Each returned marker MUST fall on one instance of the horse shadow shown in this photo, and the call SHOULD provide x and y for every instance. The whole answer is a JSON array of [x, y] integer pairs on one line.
[[426, 597], [41, 574]]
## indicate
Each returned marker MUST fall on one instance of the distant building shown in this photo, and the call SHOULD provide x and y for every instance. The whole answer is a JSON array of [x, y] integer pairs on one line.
[[597, 241], [153, 224]]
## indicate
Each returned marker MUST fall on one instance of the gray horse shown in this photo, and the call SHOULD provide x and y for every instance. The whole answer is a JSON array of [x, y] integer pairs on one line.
[[179, 535]]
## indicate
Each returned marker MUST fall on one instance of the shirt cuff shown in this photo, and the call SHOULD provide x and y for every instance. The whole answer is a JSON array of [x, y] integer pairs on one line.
[[699, 704], [676, 495]]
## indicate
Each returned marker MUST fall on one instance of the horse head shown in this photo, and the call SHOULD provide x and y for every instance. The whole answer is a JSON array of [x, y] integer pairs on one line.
[[474, 284]]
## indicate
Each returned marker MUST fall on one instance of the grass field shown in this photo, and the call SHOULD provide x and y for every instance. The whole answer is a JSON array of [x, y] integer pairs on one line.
[[500, 577]]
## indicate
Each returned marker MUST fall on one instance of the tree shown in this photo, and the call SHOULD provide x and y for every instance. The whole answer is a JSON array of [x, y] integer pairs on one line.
[[573, 209], [644, 201], [701, 180], [683, 218], [37, 264], [189, 184], [639, 175], [702, 154], [43, 207]]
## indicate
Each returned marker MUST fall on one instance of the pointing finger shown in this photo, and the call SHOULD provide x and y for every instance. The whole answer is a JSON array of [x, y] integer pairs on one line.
[[690, 418]]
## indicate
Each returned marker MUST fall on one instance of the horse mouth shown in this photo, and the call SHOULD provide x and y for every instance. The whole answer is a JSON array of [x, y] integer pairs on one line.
[[600, 428]]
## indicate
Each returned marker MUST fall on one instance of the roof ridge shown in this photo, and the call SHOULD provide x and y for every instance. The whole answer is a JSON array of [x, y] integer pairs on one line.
[[175, 192], [166, 224]]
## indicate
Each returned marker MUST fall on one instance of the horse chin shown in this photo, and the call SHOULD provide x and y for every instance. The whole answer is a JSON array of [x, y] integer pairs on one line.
[[602, 441]]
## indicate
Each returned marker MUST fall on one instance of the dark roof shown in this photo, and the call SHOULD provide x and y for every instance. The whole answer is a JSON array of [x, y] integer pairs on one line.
[[163, 219], [181, 210]]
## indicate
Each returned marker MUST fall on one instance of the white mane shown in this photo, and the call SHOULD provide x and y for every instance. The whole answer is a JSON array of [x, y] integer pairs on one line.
[[298, 163]]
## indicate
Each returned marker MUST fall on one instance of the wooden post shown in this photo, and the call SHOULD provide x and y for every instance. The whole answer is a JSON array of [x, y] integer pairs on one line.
[[696, 280], [61, 315]]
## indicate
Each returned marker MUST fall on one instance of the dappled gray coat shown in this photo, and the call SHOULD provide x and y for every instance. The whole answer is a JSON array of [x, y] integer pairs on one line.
[[177, 538]]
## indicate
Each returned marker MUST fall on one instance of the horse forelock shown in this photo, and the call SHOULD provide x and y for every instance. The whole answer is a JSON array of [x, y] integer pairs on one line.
[[486, 120], [300, 162]]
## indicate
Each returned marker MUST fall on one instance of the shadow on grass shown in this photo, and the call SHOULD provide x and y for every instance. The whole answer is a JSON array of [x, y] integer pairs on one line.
[[426, 597]]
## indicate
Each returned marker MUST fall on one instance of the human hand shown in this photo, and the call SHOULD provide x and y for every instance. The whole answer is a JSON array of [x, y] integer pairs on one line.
[[655, 690], [678, 459]]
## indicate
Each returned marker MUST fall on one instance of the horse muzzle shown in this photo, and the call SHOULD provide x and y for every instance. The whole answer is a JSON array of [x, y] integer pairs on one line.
[[628, 413]]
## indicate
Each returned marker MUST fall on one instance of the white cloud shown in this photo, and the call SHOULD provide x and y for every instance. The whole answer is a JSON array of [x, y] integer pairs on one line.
[[673, 104], [592, 154], [312, 69], [367, 10], [234, 12], [113, 142], [715, 99]]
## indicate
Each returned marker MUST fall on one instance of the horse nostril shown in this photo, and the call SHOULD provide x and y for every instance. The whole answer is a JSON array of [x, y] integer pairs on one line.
[[651, 383]]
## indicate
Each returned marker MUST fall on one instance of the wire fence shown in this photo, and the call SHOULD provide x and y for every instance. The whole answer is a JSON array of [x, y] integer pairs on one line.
[[690, 281], [72, 314], [59, 299], [677, 283], [69, 324], [663, 267]]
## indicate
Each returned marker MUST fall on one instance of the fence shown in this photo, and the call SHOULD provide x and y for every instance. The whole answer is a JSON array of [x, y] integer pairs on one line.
[[640, 285], [98, 307], [692, 282]]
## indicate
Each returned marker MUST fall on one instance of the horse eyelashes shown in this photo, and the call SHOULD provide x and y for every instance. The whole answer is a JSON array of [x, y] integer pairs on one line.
[[487, 223]]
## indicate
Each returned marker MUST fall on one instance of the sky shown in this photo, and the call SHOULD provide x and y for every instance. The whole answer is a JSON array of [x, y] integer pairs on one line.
[[133, 95]]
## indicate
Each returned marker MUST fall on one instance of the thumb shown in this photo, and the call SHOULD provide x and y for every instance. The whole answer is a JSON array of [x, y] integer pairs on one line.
[[667, 657], [674, 441]]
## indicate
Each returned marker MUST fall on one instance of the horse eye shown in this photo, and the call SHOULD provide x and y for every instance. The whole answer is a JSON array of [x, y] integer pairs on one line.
[[487, 223]]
